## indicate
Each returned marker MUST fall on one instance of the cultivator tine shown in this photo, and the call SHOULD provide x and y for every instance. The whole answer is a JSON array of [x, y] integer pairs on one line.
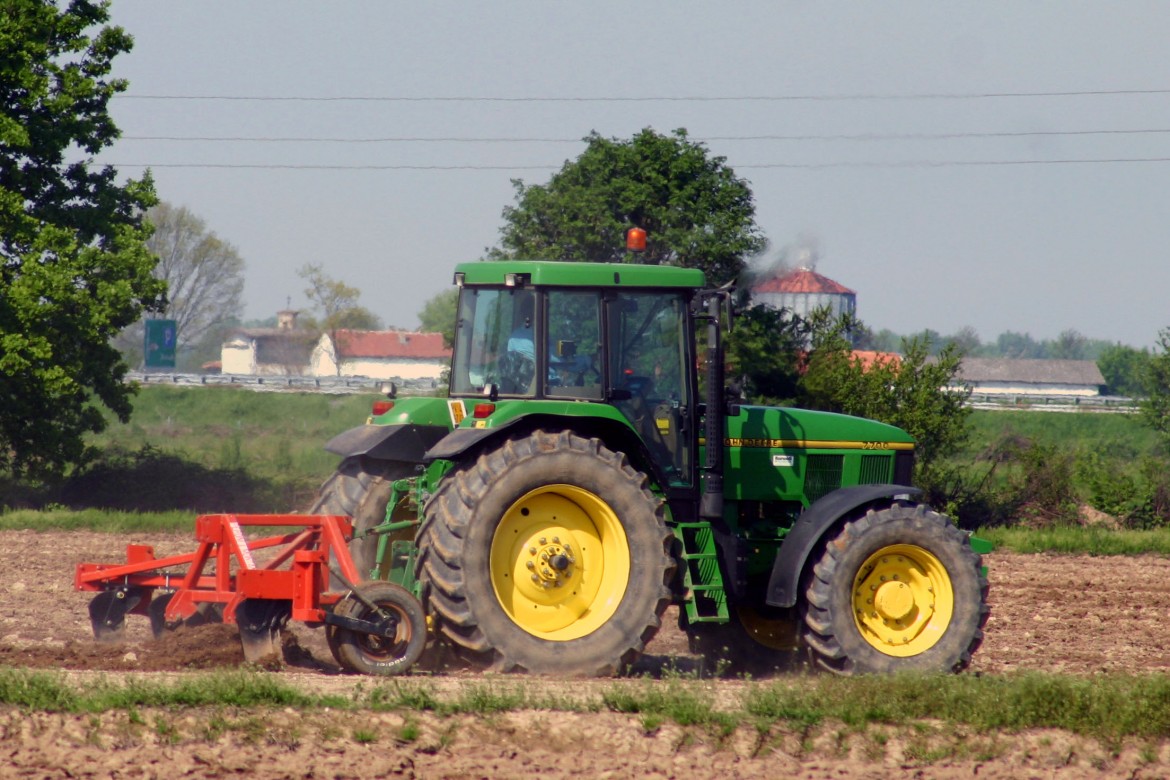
[[158, 617], [260, 622], [107, 612]]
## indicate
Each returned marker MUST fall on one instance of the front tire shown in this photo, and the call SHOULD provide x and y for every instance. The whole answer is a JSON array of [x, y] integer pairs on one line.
[[547, 555], [897, 589]]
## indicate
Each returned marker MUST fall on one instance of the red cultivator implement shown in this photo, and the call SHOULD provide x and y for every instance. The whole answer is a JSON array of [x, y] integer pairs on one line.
[[373, 627]]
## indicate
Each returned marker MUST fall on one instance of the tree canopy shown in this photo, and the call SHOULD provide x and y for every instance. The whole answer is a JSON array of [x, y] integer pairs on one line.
[[1155, 407], [205, 282], [695, 211], [438, 314], [336, 301], [74, 266], [811, 363]]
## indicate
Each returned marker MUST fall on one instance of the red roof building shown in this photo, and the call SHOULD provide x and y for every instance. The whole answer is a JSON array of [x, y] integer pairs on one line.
[[390, 344], [380, 354]]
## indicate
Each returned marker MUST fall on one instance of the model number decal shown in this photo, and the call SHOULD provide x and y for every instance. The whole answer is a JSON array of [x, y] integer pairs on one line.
[[777, 444], [783, 461]]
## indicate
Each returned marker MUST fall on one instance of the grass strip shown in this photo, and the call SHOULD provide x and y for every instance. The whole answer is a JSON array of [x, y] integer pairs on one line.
[[1079, 540], [1104, 706], [99, 520], [1110, 706]]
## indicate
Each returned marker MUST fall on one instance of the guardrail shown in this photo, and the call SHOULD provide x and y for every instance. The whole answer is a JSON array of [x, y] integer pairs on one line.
[[336, 385], [342, 385], [1052, 403]]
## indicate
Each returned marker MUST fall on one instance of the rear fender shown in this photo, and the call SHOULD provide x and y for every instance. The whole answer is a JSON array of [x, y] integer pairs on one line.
[[821, 516], [462, 443], [407, 442]]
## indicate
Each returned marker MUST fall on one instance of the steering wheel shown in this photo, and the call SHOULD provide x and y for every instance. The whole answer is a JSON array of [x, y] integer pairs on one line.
[[590, 369], [516, 372]]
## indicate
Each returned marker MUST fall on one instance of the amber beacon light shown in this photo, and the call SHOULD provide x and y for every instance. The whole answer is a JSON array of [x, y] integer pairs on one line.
[[636, 239]]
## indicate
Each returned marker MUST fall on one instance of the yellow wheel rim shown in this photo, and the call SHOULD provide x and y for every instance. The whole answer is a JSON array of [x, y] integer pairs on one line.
[[902, 600], [560, 562]]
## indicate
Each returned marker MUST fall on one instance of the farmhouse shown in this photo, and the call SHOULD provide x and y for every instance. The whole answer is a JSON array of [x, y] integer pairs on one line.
[[380, 354], [280, 351], [991, 376]]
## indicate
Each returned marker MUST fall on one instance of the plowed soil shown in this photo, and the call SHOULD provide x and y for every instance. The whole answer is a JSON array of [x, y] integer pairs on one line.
[[1075, 615]]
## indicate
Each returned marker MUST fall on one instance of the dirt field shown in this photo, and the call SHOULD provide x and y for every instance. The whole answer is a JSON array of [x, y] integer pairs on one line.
[[1076, 615]]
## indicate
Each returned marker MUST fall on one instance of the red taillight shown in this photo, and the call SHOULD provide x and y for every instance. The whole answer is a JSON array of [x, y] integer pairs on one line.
[[381, 407], [483, 410]]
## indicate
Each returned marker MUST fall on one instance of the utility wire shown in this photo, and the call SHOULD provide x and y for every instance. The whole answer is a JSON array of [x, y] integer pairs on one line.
[[649, 98], [787, 137], [752, 166]]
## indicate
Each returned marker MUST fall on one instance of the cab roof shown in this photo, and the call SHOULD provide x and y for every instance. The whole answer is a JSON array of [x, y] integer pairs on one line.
[[554, 273]]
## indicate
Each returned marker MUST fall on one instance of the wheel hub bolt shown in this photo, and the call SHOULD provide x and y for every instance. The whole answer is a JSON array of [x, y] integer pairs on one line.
[[531, 566]]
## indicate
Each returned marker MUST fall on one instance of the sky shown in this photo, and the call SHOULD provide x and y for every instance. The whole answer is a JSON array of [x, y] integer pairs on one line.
[[997, 165]]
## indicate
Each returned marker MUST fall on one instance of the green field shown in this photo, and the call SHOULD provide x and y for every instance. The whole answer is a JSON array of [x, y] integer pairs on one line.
[[207, 449], [215, 449]]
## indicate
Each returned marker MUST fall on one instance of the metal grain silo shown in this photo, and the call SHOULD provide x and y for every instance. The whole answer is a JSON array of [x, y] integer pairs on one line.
[[803, 291]]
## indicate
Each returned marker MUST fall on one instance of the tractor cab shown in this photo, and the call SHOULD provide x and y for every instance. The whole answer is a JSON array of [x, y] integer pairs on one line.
[[583, 332]]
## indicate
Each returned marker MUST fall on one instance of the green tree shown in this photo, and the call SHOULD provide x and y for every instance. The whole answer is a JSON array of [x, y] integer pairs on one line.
[[916, 392], [1069, 345], [966, 340], [1155, 407], [1018, 346], [764, 351], [205, 282], [74, 267], [336, 301], [694, 209], [1124, 369], [438, 315]]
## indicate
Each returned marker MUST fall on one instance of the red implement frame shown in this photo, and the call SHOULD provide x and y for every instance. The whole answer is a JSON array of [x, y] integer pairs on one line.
[[236, 576]]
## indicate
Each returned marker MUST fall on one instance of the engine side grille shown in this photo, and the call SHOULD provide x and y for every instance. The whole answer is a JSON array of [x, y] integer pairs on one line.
[[822, 476], [875, 470]]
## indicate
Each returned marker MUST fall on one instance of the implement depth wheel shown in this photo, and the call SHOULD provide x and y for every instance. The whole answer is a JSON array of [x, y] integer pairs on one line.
[[548, 555], [373, 653], [898, 589]]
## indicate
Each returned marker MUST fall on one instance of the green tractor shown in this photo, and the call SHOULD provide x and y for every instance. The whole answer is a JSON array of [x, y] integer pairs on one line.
[[582, 477]]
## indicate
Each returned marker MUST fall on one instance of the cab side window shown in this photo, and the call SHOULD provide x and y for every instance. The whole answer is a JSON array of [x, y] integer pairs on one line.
[[574, 340]]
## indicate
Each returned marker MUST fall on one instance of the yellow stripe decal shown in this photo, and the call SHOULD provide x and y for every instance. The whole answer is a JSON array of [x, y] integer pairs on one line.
[[776, 444]]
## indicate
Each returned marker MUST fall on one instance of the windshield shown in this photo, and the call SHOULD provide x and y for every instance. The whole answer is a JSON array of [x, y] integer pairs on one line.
[[495, 341]]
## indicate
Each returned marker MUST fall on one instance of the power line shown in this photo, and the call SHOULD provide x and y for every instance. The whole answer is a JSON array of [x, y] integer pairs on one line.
[[784, 137], [751, 166], [649, 98]]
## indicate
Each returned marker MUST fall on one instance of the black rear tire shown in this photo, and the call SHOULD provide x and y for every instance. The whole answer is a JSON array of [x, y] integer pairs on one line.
[[896, 590], [575, 514], [360, 489]]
